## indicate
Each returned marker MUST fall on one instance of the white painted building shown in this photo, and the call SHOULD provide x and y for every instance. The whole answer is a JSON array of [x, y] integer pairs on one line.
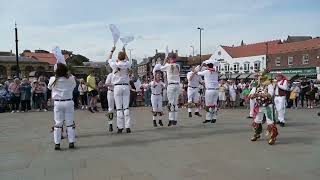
[[244, 59]]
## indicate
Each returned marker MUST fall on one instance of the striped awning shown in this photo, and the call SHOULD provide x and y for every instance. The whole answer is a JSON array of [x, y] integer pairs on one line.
[[224, 77], [244, 76], [252, 76], [234, 76]]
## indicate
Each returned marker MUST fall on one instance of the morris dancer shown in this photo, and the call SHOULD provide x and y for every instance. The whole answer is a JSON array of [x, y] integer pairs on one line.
[[110, 98], [252, 100], [280, 98], [157, 87], [172, 70], [194, 81], [121, 68], [211, 81], [62, 86], [264, 108]]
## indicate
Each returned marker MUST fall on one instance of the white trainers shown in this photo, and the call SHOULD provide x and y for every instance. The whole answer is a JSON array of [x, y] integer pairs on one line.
[[18, 111], [12, 111], [82, 107], [45, 110]]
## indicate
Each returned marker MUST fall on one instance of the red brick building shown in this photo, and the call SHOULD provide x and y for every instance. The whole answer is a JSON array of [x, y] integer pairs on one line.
[[295, 59]]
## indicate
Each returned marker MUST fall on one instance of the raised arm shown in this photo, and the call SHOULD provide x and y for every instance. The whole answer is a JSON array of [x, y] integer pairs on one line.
[[124, 50]]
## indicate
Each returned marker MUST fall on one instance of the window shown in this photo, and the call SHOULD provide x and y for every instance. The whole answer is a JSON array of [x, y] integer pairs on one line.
[[290, 60], [236, 67], [219, 68], [257, 66], [246, 66], [278, 61], [305, 59], [227, 67]]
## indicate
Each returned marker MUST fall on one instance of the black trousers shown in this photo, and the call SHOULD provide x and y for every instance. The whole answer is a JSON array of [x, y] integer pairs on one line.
[[15, 103], [303, 95], [104, 100], [84, 99], [25, 105]]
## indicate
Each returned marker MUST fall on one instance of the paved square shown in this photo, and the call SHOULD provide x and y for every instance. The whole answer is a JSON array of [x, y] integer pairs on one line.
[[190, 150]]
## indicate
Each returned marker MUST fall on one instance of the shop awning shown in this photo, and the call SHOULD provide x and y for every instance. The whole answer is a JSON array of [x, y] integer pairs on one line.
[[251, 76], [224, 77], [243, 76], [234, 76], [290, 76]]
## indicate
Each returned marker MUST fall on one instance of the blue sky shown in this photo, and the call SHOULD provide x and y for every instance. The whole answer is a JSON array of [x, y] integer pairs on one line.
[[81, 26]]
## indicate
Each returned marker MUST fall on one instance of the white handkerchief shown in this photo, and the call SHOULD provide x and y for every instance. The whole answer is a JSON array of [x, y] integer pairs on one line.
[[115, 33], [125, 40], [59, 56]]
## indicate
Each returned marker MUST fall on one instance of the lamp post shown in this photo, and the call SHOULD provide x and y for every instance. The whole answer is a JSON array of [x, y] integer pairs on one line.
[[200, 29], [17, 53]]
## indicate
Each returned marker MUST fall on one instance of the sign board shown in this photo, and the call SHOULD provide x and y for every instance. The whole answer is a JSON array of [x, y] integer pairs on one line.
[[296, 71]]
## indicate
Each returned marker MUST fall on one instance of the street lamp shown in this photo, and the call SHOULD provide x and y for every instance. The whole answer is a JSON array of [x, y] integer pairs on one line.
[[17, 54], [200, 29]]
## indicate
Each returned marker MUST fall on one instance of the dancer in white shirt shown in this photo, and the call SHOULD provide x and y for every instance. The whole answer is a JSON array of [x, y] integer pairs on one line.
[[172, 70], [62, 86], [280, 98], [211, 78], [194, 81], [120, 80], [110, 97], [157, 87]]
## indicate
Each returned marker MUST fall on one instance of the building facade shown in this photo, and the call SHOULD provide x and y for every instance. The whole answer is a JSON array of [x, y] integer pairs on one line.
[[298, 58]]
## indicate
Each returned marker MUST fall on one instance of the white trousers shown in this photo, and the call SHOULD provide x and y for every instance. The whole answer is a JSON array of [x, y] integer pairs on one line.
[[156, 101], [110, 97], [267, 112], [122, 98], [64, 111], [252, 103], [280, 103], [193, 97], [211, 99], [173, 92]]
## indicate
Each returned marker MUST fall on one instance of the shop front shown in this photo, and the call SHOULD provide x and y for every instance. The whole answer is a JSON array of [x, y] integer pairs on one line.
[[296, 73]]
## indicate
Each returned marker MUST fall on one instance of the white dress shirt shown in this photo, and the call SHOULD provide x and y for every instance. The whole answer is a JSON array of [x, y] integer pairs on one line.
[[109, 81], [211, 79], [121, 71], [62, 88], [173, 76], [195, 81], [156, 87]]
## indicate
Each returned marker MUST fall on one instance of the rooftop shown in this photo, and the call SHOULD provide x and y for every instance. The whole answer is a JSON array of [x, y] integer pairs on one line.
[[12, 59], [295, 46]]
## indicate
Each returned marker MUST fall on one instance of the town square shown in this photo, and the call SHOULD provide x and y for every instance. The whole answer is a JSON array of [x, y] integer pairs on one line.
[[160, 90]]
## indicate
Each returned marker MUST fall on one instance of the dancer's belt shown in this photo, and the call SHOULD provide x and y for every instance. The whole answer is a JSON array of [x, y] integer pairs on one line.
[[192, 87], [110, 90], [156, 94], [212, 89], [280, 96], [61, 100], [174, 83], [123, 84]]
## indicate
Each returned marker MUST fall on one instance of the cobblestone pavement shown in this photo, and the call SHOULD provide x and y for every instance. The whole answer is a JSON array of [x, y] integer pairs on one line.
[[190, 150]]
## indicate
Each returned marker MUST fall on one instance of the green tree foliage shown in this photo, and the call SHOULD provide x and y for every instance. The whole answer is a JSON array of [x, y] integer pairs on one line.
[[77, 60]]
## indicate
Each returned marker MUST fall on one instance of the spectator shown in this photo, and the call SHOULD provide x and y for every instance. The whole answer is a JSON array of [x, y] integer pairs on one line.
[[25, 90], [3, 98], [133, 94], [232, 93], [311, 96], [83, 90], [76, 95], [245, 94], [305, 87], [43, 100], [222, 94], [294, 95], [92, 92], [103, 93], [14, 90]]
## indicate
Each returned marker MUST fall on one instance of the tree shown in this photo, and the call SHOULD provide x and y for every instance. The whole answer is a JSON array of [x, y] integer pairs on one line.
[[76, 60]]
